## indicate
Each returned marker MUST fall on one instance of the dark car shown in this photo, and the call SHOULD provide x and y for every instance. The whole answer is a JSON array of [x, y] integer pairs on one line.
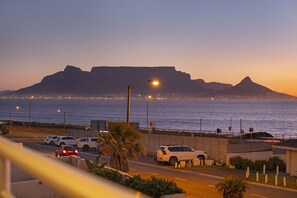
[[66, 150]]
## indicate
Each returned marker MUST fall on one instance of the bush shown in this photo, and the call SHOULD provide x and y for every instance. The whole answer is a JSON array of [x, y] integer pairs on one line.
[[236, 161], [154, 187], [108, 174], [273, 162], [241, 163], [258, 164], [4, 130]]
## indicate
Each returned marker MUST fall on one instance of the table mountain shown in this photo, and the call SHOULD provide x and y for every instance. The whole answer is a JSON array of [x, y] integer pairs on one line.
[[113, 81]]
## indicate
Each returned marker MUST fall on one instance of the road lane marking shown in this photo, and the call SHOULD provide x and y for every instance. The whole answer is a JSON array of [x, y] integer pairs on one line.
[[133, 169], [181, 179], [154, 173], [258, 196], [211, 186]]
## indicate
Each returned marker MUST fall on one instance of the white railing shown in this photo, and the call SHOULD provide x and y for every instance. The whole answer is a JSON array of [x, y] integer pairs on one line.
[[64, 179]]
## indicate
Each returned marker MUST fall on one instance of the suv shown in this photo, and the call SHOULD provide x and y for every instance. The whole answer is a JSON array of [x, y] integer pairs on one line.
[[87, 143], [66, 140], [176, 153]]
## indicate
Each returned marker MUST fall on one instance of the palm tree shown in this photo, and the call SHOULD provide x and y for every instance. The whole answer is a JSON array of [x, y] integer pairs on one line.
[[232, 187], [121, 143]]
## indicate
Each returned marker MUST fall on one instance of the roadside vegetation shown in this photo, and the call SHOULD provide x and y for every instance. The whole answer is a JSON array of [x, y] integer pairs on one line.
[[232, 187], [120, 144], [271, 163], [33, 132], [153, 186]]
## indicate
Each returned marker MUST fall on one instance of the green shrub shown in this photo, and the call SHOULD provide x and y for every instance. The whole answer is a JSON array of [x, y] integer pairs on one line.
[[108, 174], [237, 162], [4, 130], [273, 162], [241, 163], [258, 164], [154, 187]]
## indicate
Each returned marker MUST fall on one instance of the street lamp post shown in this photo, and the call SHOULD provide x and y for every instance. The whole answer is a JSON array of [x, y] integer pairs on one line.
[[30, 103], [155, 83], [10, 115], [64, 113], [147, 112]]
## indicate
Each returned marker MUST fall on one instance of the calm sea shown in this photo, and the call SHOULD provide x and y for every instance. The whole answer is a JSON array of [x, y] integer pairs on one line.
[[273, 116]]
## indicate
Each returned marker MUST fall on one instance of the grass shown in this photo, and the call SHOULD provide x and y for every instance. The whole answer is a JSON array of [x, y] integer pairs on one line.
[[33, 132], [290, 180]]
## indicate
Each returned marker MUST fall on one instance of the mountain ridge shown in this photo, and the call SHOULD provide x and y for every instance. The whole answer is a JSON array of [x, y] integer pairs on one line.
[[113, 80]]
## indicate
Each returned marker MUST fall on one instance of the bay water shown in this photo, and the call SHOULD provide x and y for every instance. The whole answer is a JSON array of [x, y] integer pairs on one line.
[[272, 116]]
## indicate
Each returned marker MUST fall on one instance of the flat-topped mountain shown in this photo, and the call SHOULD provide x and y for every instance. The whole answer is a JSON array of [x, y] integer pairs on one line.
[[114, 80], [104, 81]]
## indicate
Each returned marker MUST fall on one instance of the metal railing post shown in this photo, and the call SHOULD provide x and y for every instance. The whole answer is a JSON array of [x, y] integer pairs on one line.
[[5, 179]]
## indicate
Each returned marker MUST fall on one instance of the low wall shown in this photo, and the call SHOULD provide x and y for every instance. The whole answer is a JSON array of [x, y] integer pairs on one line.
[[216, 148], [32, 188], [74, 161]]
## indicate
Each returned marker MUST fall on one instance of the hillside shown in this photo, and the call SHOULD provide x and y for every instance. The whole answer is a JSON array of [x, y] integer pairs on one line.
[[113, 81]]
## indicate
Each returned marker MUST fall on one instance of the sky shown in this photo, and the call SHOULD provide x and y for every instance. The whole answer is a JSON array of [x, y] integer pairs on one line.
[[221, 41]]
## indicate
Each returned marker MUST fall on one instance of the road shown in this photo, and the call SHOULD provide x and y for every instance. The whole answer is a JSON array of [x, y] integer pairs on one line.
[[196, 184]]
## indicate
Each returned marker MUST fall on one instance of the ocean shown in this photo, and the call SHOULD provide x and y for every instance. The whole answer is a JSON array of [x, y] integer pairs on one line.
[[272, 116]]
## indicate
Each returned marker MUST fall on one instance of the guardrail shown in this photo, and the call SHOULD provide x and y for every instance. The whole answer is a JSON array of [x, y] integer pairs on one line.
[[275, 135], [64, 179]]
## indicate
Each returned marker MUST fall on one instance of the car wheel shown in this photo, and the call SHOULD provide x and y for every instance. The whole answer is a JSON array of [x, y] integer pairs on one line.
[[172, 161], [51, 143], [85, 148], [62, 143], [201, 157]]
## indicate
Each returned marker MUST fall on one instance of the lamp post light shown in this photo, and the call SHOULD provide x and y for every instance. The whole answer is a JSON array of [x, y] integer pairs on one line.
[[10, 115], [64, 113], [154, 83], [32, 97], [147, 112]]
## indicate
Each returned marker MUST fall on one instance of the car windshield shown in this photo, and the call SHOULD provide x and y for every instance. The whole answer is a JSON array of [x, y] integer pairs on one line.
[[69, 148]]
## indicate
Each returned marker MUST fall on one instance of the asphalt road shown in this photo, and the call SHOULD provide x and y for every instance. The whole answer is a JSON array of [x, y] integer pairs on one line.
[[195, 183]]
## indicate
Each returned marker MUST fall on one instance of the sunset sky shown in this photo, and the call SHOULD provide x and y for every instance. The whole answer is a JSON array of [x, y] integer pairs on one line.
[[221, 41]]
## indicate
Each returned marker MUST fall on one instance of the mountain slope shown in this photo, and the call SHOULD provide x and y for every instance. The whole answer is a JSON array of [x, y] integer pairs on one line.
[[248, 88], [114, 80]]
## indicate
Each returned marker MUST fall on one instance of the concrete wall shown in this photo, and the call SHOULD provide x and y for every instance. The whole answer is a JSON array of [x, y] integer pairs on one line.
[[249, 147], [32, 189], [74, 161], [291, 162], [216, 148]]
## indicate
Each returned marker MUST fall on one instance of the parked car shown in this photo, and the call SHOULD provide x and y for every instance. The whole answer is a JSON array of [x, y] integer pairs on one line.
[[66, 140], [51, 140], [86, 143], [66, 150], [176, 153]]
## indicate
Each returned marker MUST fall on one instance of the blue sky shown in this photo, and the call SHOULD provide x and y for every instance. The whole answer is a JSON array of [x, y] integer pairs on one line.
[[214, 40]]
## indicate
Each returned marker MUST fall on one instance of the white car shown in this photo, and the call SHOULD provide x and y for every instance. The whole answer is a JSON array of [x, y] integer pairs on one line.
[[176, 153], [51, 139], [66, 140], [86, 143]]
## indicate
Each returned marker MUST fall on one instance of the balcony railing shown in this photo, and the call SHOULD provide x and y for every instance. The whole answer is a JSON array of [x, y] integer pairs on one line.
[[64, 179]]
